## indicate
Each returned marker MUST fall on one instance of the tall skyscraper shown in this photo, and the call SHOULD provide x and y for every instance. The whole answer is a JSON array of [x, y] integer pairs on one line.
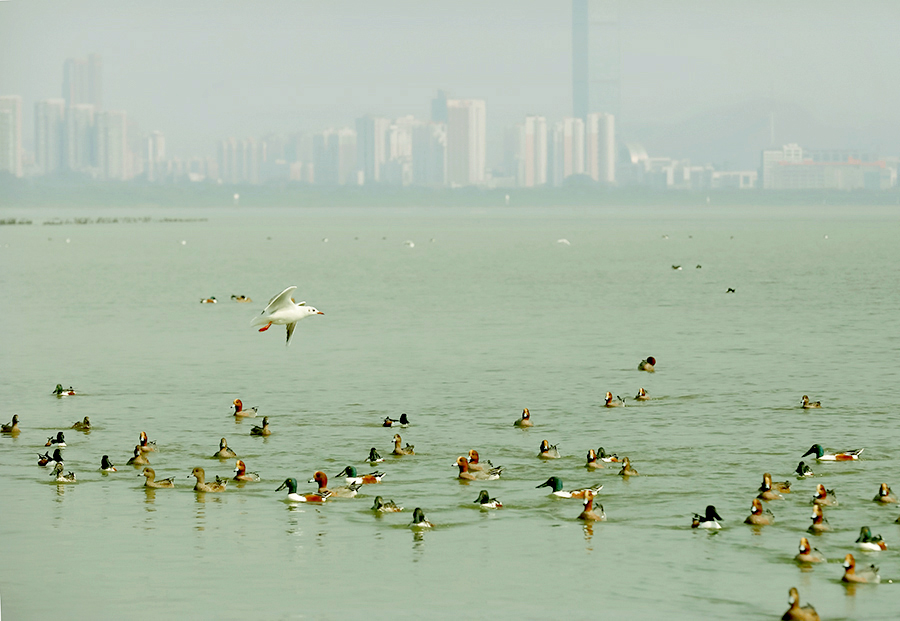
[[155, 155], [595, 57], [11, 134], [83, 81], [535, 156], [429, 154], [112, 143], [466, 141], [371, 133], [49, 135], [80, 138], [439, 108], [568, 149], [334, 157], [600, 147]]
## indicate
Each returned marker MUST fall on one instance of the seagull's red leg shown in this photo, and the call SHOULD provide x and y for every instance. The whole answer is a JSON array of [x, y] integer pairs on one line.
[[266, 327]]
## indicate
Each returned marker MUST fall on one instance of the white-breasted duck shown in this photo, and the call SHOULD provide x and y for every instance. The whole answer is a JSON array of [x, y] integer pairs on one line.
[[821, 455], [710, 519], [294, 496], [484, 501], [556, 485], [106, 465], [403, 421], [352, 476], [870, 542], [59, 440]]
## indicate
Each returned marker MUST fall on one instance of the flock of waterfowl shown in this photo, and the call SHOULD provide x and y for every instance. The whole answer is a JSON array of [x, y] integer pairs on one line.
[[283, 310]]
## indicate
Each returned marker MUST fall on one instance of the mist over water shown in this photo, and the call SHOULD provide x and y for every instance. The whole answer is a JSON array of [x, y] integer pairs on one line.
[[484, 314]]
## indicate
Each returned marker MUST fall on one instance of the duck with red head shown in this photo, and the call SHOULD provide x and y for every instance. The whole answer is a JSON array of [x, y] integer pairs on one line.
[[796, 612], [478, 475], [758, 516], [824, 497], [765, 490], [647, 364], [525, 420], [592, 462], [642, 395], [589, 514], [611, 402], [475, 464], [348, 491], [146, 445], [808, 554], [884, 494], [819, 523], [241, 473], [548, 451], [240, 412], [627, 470], [806, 404], [851, 574]]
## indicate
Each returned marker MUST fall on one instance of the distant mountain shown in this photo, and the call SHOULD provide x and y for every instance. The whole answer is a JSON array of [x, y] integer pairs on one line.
[[733, 136]]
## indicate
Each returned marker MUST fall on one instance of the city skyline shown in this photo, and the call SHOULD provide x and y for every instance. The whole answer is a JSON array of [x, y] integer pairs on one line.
[[199, 75]]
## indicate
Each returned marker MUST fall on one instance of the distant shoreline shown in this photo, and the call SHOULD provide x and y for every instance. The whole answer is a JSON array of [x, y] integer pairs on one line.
[[25, 193]]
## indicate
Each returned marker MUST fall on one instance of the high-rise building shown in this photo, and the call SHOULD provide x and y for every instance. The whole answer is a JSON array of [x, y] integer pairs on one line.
[[535, 156], [83, 81], [600, 147], [439, 108], [11, 134], [466, 141], [568, 149], [49, 135], [112, 152], [334, 157], [429, 154], [80, 138], [155, 156], [371, 133], [595, 57]]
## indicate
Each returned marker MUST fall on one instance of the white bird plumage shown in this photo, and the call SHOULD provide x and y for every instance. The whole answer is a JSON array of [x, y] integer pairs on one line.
[[282, 310]]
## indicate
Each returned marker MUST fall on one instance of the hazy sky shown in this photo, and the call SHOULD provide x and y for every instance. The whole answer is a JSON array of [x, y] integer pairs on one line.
[[697, 77]]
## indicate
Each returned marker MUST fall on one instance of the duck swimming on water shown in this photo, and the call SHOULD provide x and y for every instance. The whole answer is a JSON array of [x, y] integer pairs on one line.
[[525, 420], [224, 452], [796, 612], [709, 520]]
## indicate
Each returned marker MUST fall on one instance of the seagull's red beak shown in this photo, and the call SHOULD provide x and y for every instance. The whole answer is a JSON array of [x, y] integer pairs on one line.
[[320, 313]]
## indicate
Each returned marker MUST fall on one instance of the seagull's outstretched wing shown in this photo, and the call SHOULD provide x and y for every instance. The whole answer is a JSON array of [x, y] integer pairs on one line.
[[281, 300], [290, 331]]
